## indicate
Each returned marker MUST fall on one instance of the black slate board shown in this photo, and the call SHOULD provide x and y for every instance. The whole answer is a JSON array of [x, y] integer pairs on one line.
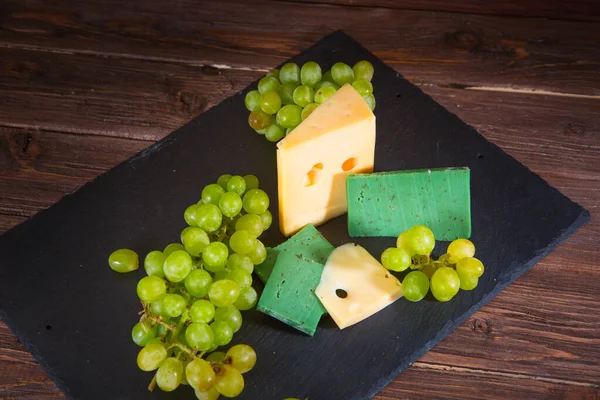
[[74, 314]]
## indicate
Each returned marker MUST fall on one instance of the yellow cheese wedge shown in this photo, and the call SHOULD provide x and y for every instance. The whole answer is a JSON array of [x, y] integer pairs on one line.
[[338, 138], [354, 285]]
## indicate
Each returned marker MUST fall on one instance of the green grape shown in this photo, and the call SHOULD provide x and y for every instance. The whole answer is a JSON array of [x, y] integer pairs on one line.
[[241, 357], [231, 204], [142, 334], [153, 263], [288, 131], [202, 311], [415, 286], [259, 119], [289, 116], [199, 334], [251, 181], [222, 181], [157, 341], [231, 315], [229, 381], [267, 219], [262, 131], [428, 270], [209, 216], [402, 243], [222, 331], [236, 184], [215, 256], [242, 242], [395, 259], [161, 329], [445, 258], [181, 339], [444, 284], [327, 77], [157, 309], [200, 375], [212, 394], [221, 274], [323, 94], [468, 283], [246, 299], [274, 133], [239, 261], [169, 374], [211, 194], [459, 249], [342, 73], [216, 357], [198, 282], [270, 102], [151, 288], [241, 277], [286, 93], [363, 70], [177, 266], [310, 73], [190, 215], [303, 95], [290, 74], [469, 267], [194, 240], [308, 109], [123, 260], [223, 293], [151, 356], [256, 201], [363, 87], [274, 73], [173, 305], [259, 254], [250, 222], [323, 84], [370, 99], [252, 100], [268, 83], [420, 239], [171, 248]]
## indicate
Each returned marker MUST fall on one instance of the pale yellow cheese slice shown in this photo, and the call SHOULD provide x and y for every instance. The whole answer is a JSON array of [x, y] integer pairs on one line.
[[368, 287], [338, 138]]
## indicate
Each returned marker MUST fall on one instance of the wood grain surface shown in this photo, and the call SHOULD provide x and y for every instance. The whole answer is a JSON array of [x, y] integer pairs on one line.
[[85, 85]]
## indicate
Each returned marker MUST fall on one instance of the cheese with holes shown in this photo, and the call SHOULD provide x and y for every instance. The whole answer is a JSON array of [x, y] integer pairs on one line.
[[354, 285], [338, 138]]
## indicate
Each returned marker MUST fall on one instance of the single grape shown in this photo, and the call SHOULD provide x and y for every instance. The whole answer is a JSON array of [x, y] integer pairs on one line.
[[151, 288], [202, 311], [270, 102], [288, 131], [468, 283], [142, 333], [303, 95], [212, 394], [415, 286], [215, 256], [199, 334], [229, 381], [190, 215], [173, 305], [239, 261], [209, 216], [198, 282], [250, 222], [252, 100], [262, 131], [211, 194], [259, 119], [161, 329], [256, 201], [363, 87], [200, 375], [363, 70], [171, 248], [444, 284], [402, 242], [241, 277], [310, 73], [459, 249], [153, 263], [307, 110], [216, 357], [251, 181], [267, 219], [323, 84], [223, 293], [236, 184], [370, 99], [177, 266], [469, 267], [194, 240], [274, 73], [221, 274], [286, 93], [169, 374], [289, 116], [274, 133], [268, 83], [242, 242], [151, 356], [445, 258], [212, 348], [123, 260], [241, 357], [157, 309], [395, 259], [231, 315], [222, 331], [259, 254], [420, 239], [342, 73], [231, 204], [222, 181], [323, 94], [290, 74], [246, 299]]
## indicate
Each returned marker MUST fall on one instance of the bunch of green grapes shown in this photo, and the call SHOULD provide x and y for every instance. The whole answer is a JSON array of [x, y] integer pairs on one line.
[[454, 270], [287, 96], [194, 291]]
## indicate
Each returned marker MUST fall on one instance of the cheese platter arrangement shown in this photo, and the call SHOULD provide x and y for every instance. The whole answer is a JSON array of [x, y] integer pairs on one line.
[[309, 237]]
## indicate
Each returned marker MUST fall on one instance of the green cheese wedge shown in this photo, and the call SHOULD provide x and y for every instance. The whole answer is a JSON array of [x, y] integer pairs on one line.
[[389, 203], [308, 242], [289, 294]]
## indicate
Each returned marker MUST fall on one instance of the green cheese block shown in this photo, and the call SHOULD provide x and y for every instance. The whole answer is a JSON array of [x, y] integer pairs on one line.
[[289, 294], [388, 203], [308, 242]]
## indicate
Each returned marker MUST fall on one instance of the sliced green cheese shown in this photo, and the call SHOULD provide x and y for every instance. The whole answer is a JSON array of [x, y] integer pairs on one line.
[[388, 203], [308, 242], [289, 294]]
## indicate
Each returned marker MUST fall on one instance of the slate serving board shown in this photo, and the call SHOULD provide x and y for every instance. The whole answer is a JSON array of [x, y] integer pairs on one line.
[[75, 314]]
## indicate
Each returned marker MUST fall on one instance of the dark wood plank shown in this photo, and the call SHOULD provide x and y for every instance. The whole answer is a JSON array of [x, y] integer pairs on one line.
[[435, 48]]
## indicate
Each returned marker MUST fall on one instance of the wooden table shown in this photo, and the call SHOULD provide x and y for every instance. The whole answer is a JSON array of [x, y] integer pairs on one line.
[[86, 84]]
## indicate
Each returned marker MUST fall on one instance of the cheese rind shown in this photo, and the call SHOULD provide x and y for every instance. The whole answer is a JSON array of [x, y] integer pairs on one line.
[[368, 286]]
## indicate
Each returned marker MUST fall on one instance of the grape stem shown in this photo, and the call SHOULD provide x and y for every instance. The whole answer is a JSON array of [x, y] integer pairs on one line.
[[158, 320], [181, 347]]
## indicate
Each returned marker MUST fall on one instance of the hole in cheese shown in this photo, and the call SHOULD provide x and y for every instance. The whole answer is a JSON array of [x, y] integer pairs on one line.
[[349, 164], [341, 293], [313, 176]]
